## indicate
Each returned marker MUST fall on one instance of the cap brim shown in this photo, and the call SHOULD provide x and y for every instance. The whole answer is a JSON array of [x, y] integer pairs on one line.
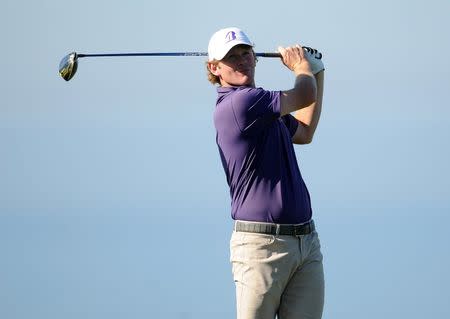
[[228, 47]]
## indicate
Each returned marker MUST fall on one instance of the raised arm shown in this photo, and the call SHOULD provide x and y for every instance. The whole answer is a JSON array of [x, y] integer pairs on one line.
[[308, 117], [304, 92]]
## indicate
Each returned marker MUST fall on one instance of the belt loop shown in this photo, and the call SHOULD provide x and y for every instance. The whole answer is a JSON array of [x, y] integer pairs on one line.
[[277, 231]]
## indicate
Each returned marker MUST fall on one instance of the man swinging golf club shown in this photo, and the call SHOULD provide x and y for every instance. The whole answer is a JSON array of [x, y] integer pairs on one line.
[[275, 250]]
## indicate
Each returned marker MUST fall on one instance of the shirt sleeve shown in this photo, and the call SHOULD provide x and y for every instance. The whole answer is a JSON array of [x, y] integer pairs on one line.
[[255, 108], [291, 123]]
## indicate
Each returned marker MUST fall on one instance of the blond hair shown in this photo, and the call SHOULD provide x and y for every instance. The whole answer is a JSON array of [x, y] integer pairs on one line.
[[214, 79]]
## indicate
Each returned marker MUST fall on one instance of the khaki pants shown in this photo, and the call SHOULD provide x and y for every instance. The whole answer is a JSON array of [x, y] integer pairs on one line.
[[277, 275]]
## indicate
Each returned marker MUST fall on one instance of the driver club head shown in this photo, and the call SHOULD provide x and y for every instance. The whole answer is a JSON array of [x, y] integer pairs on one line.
[[68, 66]]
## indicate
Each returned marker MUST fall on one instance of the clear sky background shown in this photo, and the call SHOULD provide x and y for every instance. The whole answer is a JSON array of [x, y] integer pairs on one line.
[[113, 202]]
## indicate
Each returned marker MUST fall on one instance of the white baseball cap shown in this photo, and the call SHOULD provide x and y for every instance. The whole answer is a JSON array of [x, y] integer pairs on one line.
[[223, 40]]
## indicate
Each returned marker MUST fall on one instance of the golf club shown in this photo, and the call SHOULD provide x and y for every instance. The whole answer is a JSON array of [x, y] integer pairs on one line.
[[69, 64]]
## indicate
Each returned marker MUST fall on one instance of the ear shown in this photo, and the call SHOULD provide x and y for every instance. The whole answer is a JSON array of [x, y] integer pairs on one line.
[[255, 57], [213, 67]]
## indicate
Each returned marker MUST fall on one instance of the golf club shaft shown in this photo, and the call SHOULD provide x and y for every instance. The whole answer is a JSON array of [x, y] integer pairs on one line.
[[82, 55], [68, 65]]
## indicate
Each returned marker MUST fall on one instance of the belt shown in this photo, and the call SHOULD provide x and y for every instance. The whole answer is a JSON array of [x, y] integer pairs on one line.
[[275, 229]]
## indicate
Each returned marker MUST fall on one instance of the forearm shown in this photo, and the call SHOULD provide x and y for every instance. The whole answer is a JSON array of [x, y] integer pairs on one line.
[[303, 94], [309, 116], [304, 91]]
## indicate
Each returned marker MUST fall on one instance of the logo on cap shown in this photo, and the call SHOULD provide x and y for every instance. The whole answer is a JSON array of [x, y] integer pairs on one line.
[[230, 36]]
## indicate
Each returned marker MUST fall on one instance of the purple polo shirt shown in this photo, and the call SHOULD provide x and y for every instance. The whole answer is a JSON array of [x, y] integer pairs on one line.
[[258, 157]]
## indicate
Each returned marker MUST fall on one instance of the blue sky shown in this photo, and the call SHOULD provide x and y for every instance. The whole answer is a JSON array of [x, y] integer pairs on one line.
[[113, 202]]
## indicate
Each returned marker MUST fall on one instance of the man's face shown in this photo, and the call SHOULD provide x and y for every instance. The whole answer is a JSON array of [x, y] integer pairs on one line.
[[237, 68]]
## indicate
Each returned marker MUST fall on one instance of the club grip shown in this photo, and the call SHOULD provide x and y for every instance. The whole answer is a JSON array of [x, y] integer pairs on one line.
[[269, 55]]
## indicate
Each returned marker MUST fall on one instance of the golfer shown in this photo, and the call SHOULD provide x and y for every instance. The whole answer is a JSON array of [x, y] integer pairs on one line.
[[275, 250]]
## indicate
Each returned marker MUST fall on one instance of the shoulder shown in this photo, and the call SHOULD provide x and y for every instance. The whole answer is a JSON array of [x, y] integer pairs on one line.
[[249, 93], [248, 102], [252, 109], [246, 97]]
